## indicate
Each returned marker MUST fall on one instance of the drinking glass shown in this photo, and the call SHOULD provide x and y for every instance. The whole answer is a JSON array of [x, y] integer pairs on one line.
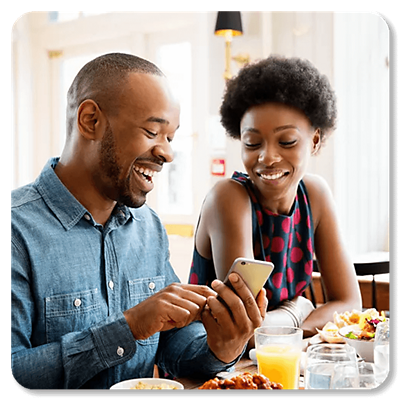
[[344, 376], [347, 377], [325, 361], [381, 351], [366, 375], [278, 351]]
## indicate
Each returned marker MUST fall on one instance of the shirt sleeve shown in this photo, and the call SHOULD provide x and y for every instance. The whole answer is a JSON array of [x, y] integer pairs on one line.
[[184, 352], [77, 357]]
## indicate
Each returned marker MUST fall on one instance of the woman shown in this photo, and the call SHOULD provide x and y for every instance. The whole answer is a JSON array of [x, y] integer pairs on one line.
[[282, 110]]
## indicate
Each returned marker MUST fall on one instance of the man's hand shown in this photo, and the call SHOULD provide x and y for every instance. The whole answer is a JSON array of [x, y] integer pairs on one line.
[[175, 306], [229, 326]]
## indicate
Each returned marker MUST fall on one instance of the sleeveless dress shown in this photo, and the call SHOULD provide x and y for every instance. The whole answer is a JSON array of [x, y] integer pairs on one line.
[[285, 240]]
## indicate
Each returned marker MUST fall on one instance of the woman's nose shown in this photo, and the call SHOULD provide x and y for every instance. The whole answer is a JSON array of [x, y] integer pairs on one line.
[[269, 155]]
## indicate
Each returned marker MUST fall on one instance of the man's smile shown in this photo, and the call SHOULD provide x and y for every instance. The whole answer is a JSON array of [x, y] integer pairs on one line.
[[145, 172]]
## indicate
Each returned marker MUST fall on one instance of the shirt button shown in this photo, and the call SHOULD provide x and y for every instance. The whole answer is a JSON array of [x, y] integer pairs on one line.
[[77, 302], [111, 285], [152, 285], [87, 217], [120, 351]]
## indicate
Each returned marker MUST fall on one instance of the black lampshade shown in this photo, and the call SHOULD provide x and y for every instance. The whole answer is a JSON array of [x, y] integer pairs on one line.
[[228, 20]]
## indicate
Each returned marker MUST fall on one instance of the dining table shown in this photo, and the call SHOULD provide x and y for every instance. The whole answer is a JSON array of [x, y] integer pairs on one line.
[[245, 364]]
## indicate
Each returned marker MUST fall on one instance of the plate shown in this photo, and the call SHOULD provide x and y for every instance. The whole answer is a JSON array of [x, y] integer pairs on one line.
[[327, 337], [149, 384], [364, 348], [316, 339]]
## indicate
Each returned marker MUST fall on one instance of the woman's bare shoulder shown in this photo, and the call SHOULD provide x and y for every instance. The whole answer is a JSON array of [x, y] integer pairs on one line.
[[315, 183], [227, 191], [319, 194]]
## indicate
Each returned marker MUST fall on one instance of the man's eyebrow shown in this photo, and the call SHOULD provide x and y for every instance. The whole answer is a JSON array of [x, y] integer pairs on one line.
[[158, 120]]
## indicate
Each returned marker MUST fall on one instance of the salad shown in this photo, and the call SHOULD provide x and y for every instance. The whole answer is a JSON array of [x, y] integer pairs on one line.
[[367, 328], [364, 323]]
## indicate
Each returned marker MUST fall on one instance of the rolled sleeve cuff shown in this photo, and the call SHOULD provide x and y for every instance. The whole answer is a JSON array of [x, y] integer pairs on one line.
[[102, 346], [114, 341]]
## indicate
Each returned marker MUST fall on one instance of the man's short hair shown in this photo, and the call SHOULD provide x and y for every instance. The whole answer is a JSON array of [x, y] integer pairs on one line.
[[100, 80]]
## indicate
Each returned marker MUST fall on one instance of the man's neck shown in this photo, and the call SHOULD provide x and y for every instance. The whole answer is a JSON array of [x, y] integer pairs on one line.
[[81, 186]]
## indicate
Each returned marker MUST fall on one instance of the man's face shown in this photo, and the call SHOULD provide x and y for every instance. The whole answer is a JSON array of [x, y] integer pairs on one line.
[[136, 140]]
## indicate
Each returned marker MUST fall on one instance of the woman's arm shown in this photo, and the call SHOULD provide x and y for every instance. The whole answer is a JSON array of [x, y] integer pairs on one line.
[[225, 228], [336, 268]]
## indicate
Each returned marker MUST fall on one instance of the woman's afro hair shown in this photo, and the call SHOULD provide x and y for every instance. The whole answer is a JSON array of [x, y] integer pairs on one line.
[[291, 81]]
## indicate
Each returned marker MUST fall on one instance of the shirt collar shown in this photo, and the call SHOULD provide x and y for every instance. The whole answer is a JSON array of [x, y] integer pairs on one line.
[[60, 200]]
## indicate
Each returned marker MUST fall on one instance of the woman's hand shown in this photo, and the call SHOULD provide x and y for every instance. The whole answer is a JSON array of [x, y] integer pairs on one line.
[[175, 306], [230, 323]]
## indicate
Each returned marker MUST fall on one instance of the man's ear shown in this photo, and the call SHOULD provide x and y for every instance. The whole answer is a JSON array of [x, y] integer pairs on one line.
[[88, 116], [316, 141]]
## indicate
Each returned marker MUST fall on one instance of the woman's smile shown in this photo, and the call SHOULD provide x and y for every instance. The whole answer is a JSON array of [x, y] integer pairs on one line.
[[272, 177]]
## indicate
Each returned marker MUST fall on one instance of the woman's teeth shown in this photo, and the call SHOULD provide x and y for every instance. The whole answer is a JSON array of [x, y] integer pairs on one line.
[[272, 176], [146, 173]]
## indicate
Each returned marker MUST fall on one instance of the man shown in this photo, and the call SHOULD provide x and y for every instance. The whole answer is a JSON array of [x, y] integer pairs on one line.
[[94, 298]]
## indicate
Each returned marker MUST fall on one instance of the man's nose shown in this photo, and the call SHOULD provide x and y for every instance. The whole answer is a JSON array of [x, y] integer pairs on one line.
[[164, 152]]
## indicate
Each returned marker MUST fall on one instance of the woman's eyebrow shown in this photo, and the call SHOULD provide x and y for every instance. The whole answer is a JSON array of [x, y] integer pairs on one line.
[[283, 127], [249, 129], [275, 130]]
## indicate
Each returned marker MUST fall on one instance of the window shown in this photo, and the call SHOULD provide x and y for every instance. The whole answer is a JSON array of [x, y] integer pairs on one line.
[[362, 138], [175, 195]]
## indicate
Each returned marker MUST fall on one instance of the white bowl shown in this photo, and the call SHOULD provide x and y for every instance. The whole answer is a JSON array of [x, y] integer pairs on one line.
[[364, 348], [164, 384]]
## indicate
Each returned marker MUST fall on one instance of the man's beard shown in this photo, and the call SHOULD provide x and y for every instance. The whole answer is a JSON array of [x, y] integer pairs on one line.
[[109, 166]]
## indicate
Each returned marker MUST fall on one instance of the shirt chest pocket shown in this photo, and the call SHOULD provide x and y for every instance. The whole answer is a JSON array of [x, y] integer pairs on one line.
[[71, 313], [141, 289]]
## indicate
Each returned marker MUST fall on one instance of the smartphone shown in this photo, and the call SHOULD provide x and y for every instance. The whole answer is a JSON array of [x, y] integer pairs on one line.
[[254, 272]]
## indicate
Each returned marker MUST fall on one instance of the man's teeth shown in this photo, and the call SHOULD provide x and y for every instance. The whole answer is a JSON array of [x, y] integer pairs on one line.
[[272, 176], [147, 173]]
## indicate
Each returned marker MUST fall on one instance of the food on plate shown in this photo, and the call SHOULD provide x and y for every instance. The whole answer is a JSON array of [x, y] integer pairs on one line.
[[147, 386], [242, 381], [364, 323], [354, 317], [330, 333]]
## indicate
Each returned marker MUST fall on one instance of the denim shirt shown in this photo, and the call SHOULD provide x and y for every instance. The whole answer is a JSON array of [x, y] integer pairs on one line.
[[72, 279]]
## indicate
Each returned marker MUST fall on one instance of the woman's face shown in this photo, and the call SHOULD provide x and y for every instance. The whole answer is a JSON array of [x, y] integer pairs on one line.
[[277, 143]]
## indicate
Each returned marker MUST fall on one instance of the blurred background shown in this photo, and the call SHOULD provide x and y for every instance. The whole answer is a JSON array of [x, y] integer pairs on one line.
[[352, 49]]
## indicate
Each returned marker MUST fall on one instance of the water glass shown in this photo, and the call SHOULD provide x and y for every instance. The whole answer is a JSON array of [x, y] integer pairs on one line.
[[348, 377], [344, 376], [331, 366], [366, 375], [381, 351], [278, 351]]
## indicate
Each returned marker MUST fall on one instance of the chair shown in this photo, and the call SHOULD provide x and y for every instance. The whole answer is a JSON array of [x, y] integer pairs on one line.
[[371, 264]]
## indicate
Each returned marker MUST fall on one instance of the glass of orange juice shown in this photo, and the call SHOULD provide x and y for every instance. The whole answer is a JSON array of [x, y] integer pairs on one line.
[[278, 351]]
